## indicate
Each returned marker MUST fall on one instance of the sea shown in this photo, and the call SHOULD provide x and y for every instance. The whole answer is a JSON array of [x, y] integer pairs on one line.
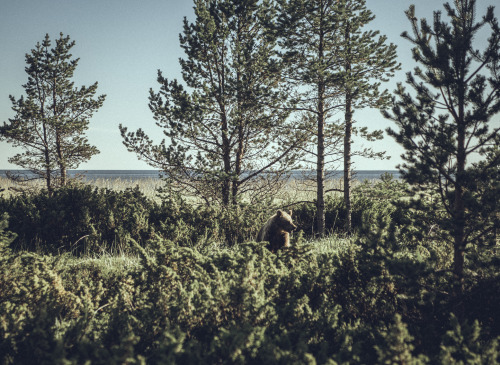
[[90, 175]]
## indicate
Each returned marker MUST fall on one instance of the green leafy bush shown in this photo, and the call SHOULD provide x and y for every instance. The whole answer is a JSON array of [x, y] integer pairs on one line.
[[78, 219], [82, 219], [242, 304], [380, 298], [335, 213]]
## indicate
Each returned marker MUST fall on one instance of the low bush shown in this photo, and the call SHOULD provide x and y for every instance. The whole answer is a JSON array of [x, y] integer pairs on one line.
[[78, 219], [86, 220], [369, 199], [371, 302]]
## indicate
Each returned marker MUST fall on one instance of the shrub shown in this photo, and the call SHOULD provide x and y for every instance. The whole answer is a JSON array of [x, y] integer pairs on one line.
[[78, 219], [335, 213], [82, 219], [234, 305]]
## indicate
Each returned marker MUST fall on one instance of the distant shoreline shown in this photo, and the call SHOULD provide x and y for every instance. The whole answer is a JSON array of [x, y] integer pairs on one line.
[[359, 175]]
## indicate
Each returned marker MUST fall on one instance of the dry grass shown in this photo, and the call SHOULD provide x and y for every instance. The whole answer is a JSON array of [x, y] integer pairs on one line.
[[296, 190], [105, 263], [148, 186], [8, 187]]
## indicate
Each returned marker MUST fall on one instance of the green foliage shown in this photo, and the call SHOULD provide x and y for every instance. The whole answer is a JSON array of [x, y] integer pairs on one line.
[[241, 304], [78, 219], [51, 121], [226, 123], [462, 345], [6, 237], [449, 121], [334, 62], [367, 200], [398, 345], [82, 219]]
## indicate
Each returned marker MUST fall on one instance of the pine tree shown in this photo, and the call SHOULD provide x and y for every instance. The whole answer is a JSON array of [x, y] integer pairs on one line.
[[333, 63], [225, 133], [449, 120], [367, 61], [462, 344], [51, 120], [397, 346], [309, 37]]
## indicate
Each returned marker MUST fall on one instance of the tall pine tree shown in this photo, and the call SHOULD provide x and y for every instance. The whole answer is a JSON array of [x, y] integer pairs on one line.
[[336, 65], [447, 122], [367, 60], [309, 37], [225, 134], [51, 120]]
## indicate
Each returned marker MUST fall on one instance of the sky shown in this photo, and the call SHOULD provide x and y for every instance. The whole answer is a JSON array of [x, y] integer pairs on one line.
[[123, 43]]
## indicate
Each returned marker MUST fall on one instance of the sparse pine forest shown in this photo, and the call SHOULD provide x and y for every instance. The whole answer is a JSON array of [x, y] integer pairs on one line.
[[391, 271]]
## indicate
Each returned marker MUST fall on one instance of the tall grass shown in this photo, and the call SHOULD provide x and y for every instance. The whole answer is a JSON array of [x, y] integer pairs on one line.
[[294, 190], [148, 186], [106, 263]]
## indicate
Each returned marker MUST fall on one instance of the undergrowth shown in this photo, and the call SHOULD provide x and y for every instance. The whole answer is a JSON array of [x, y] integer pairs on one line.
[[172, 293]]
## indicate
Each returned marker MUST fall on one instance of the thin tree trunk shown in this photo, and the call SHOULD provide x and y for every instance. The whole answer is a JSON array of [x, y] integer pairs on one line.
[[46, 151], [241, 124], [348, 137], [347, 164], [48, 171], [320, 171], [226, 156], [59, 149], [239, 159], [458, 205], [320, 165], [62, 165]]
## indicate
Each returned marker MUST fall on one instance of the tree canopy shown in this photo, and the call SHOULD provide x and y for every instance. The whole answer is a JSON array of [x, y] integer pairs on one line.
[[226, 133], [447, 126], [51, 120]]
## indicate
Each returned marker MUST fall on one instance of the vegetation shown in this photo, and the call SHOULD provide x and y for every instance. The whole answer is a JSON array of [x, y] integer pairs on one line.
[[51, 121], [176, 294], [450, 122], [366, 61], [106, 275], [335, 65], [227, 126], [308, 33]]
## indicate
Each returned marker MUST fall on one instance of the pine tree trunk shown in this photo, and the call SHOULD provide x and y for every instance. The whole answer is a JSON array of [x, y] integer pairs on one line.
[[226, 181], [320, 173], [62, 165], [458, 205], [239, 160], [347, 164], [348, 137], [459, 243], [241, 136], [59, 149], [226, 157], [320, 165], [48, 172]]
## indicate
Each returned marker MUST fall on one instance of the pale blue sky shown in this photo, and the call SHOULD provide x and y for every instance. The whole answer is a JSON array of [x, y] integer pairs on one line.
[[122, 44]]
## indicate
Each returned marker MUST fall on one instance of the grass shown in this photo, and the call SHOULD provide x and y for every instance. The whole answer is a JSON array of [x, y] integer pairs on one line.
[[108, 264], [148, 186], [117, 264], [333, 242], [295, 190]]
